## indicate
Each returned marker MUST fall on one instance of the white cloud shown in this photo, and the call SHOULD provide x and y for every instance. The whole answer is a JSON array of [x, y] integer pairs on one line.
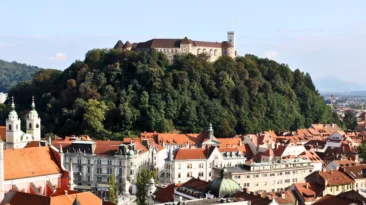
[[271, 54], [58, 57]]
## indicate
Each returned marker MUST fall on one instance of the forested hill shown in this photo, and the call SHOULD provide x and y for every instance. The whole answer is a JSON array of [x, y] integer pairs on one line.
[[112, 93], [12, 73]]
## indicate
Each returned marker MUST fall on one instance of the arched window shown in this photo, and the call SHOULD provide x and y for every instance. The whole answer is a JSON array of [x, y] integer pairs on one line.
[[198, 51], [37, 126], [30, 125], [9, 127], [211, 52], [204, 50], [17, 127], [215, 52]]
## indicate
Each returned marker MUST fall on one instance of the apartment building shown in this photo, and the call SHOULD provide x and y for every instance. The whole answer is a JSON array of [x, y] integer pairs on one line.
[[269, 176]]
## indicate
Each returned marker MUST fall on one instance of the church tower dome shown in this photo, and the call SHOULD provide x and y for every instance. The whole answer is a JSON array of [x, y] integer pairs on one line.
[[13, 132], [34, 123]]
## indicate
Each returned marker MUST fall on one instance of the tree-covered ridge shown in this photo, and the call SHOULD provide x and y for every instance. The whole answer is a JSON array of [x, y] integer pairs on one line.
[[113, 92], [13, 73]]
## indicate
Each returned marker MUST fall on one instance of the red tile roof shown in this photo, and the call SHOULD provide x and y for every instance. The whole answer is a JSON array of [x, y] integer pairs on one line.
[[3, 133], [29, 162], [335, 177], [184, 154], [165, 194], [330, 199]]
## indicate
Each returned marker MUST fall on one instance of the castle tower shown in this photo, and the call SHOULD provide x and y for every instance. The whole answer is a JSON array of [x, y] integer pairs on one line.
[[231, 38], [34, 123], [13, 132], [210, 132], [1, 170]]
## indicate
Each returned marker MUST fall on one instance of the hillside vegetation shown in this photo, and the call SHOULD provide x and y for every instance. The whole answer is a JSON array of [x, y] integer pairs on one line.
[[112, 93], [13, 73]]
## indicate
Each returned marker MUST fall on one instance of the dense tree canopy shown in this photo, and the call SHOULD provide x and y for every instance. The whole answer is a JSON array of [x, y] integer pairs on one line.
[[113, 92], [13, 73], [350, 120]]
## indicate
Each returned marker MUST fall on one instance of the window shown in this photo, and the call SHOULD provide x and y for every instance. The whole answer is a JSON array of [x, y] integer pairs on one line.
[[37, 126], [120, 171], [88, 178], [88, 161], [246, 185], [99, 170], [272, 174], [279, 182], [337, 188], [279, 174], [178, 175], [179, 165], [237, 177], [109, 170], [88, 169], [79, 161], [198, 51], [211, 52], [287, 181], [99, 179], [287, 173], [30, 126], [215, 52], [109, 162], [255, 176], [294, 180], [131, 172], [17, 127], [120, 163], [209, 174], [189, 166], [201, 165], [200, 174], [248, 176], [99, 161], [9, 127], [264, 175]]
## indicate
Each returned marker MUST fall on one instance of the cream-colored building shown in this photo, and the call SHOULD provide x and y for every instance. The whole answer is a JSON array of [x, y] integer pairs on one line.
[[171, 47], [184, 164], [269, 176]]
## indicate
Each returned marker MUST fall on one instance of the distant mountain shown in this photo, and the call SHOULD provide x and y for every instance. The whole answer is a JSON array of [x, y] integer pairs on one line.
[[333, 84], [12, 73]]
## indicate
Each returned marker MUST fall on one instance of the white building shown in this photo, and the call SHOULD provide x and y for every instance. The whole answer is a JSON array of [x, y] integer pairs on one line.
[[183, 164], [15, 137], [268, 176], [95, 161]]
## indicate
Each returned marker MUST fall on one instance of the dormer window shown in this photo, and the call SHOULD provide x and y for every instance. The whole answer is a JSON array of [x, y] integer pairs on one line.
[[9, 127], [30, 125]]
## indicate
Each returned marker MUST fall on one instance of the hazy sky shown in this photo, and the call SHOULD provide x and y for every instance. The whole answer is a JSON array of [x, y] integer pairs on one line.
[[320, 37]]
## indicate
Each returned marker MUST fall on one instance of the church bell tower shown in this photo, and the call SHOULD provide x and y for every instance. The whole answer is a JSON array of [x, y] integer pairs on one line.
[[13, 132], [34, 123]]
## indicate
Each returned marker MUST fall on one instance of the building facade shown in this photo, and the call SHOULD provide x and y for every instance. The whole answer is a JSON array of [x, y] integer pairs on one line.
[[171, 47], [93, 162], [268, 176], [183, 164]]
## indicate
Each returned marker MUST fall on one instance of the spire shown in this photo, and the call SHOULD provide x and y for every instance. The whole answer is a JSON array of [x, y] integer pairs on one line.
[[33, 104], [71, 177], [210, 131], [12, 103]]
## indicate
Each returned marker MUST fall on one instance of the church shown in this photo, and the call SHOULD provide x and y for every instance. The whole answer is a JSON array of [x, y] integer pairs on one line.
[[15, 137]]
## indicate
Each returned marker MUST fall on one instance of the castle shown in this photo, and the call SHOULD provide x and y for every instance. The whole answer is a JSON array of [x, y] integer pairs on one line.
[[171, 47]]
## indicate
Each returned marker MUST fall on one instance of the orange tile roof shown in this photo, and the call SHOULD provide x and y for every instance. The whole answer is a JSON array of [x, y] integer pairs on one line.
[[310, 155], [183, 154], [105, 148], [229, 142], [29, 162], [336, 177], [3, 133], [20, 198], [179, 139]]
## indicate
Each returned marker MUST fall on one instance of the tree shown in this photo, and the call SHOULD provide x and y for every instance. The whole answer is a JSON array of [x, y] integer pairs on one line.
[[142, 180], [94, 116], [350, 120], [113, 195], [362, 151]]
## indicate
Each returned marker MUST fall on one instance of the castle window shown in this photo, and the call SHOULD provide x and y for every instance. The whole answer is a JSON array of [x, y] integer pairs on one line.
[[30, 125], [17, 127], [198, 51], [204, 51], [211, 52], [215, 52], [37, 126], [9, 127]]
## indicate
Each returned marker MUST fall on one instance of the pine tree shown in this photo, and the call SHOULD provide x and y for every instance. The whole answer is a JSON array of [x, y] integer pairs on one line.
[[113, 197]]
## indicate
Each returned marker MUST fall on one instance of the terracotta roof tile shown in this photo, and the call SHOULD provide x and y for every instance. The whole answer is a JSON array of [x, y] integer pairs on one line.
[[165, 194], [29, 162], [184, 154], [335, 177], [3, 133]]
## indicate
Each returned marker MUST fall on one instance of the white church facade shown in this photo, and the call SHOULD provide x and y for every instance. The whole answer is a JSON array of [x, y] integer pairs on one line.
[[15, 137]]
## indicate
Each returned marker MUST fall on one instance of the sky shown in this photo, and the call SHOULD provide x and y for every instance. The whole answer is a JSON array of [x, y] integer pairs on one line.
[[324, 38]]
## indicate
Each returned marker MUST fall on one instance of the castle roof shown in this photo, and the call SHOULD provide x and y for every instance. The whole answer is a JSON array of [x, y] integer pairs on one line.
[[127, 45], [175, 43], [119, 45]]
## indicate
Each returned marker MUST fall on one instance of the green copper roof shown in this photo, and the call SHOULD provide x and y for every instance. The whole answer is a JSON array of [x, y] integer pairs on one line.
[[223, 187]]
